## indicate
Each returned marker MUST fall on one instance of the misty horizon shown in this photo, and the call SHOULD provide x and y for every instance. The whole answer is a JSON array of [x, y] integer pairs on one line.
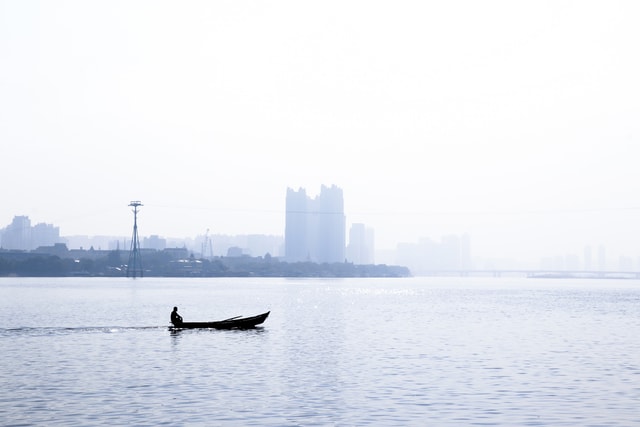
[[515, 123], [590, 258]]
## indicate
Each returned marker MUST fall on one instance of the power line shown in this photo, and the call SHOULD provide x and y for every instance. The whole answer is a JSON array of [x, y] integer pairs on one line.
[[413, 213]]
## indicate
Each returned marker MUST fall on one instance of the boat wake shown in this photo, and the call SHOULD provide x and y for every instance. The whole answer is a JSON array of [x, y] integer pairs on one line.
[[46, 331]]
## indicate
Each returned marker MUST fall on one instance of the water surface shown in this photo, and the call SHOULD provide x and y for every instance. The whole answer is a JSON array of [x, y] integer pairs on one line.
[[419, 351]]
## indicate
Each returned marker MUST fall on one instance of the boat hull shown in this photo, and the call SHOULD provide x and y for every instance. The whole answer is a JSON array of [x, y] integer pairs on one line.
[[241, 323]]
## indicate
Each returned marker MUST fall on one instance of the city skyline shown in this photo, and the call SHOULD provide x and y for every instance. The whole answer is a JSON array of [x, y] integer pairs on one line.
[[426, 253], [515, 123]]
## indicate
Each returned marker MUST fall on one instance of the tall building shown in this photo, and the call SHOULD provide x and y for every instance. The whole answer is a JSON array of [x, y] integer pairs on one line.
[[315, 228], [296, 239], [17, 235], [21, 235], [361, 245], [44, 235]]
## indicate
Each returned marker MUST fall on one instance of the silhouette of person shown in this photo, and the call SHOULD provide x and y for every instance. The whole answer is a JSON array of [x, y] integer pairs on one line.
[[176, 319]]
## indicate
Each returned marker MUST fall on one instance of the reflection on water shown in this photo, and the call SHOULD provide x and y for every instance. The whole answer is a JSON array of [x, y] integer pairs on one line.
[[336, 352], [181, 331]]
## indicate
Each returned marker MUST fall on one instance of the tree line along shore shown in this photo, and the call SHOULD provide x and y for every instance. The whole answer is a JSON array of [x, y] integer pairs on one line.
[[166, 264]]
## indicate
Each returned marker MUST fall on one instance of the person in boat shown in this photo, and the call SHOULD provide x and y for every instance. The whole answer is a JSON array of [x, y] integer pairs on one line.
[[176, 319]]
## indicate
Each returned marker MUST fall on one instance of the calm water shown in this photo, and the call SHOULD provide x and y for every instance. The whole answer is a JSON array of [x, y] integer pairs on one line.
[[384, 352]]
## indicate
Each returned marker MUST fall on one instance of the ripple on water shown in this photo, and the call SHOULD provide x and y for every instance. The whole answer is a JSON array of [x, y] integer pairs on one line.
[[332, 353]]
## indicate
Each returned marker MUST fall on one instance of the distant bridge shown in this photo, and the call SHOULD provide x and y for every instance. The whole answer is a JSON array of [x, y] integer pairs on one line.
[[560, 274]]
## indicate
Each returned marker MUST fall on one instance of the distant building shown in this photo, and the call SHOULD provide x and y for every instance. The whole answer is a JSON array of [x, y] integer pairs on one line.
[[625, 263], [315, 228], [44, 235], [234, 251], [58, 249], [261, 245], [17, 235], [177, 253], [452, 253], [602, 258], [296, 235], [361, 245], [154, 242], [20, 235], [572, 262], [100, 242], [256, 245], [588, 263]]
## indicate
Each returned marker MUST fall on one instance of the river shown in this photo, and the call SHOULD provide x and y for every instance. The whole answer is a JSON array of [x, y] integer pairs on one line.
[[342, 352]]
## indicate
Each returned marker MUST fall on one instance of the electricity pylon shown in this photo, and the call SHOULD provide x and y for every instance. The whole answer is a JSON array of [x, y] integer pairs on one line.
[[134, 267]]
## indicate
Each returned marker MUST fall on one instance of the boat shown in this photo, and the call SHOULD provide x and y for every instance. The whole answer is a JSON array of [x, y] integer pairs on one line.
[[237, 322]]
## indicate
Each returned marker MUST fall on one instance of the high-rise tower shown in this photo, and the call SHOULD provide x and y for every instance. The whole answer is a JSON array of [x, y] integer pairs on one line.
[[361, 244], [17, 235], [134, 267], [315, 228], [330, 238], [296, 239]]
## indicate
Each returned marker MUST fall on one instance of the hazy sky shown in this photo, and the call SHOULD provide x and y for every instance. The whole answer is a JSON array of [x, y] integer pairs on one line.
[[515, 121]]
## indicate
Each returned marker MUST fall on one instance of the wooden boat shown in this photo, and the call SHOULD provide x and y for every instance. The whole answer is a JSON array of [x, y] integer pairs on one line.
[[232, 323]]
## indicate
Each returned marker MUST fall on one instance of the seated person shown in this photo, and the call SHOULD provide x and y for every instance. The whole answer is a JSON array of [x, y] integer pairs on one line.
[[176, 319]]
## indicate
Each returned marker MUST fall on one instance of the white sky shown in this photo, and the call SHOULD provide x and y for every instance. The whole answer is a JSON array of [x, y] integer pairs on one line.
[[514, 121]]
